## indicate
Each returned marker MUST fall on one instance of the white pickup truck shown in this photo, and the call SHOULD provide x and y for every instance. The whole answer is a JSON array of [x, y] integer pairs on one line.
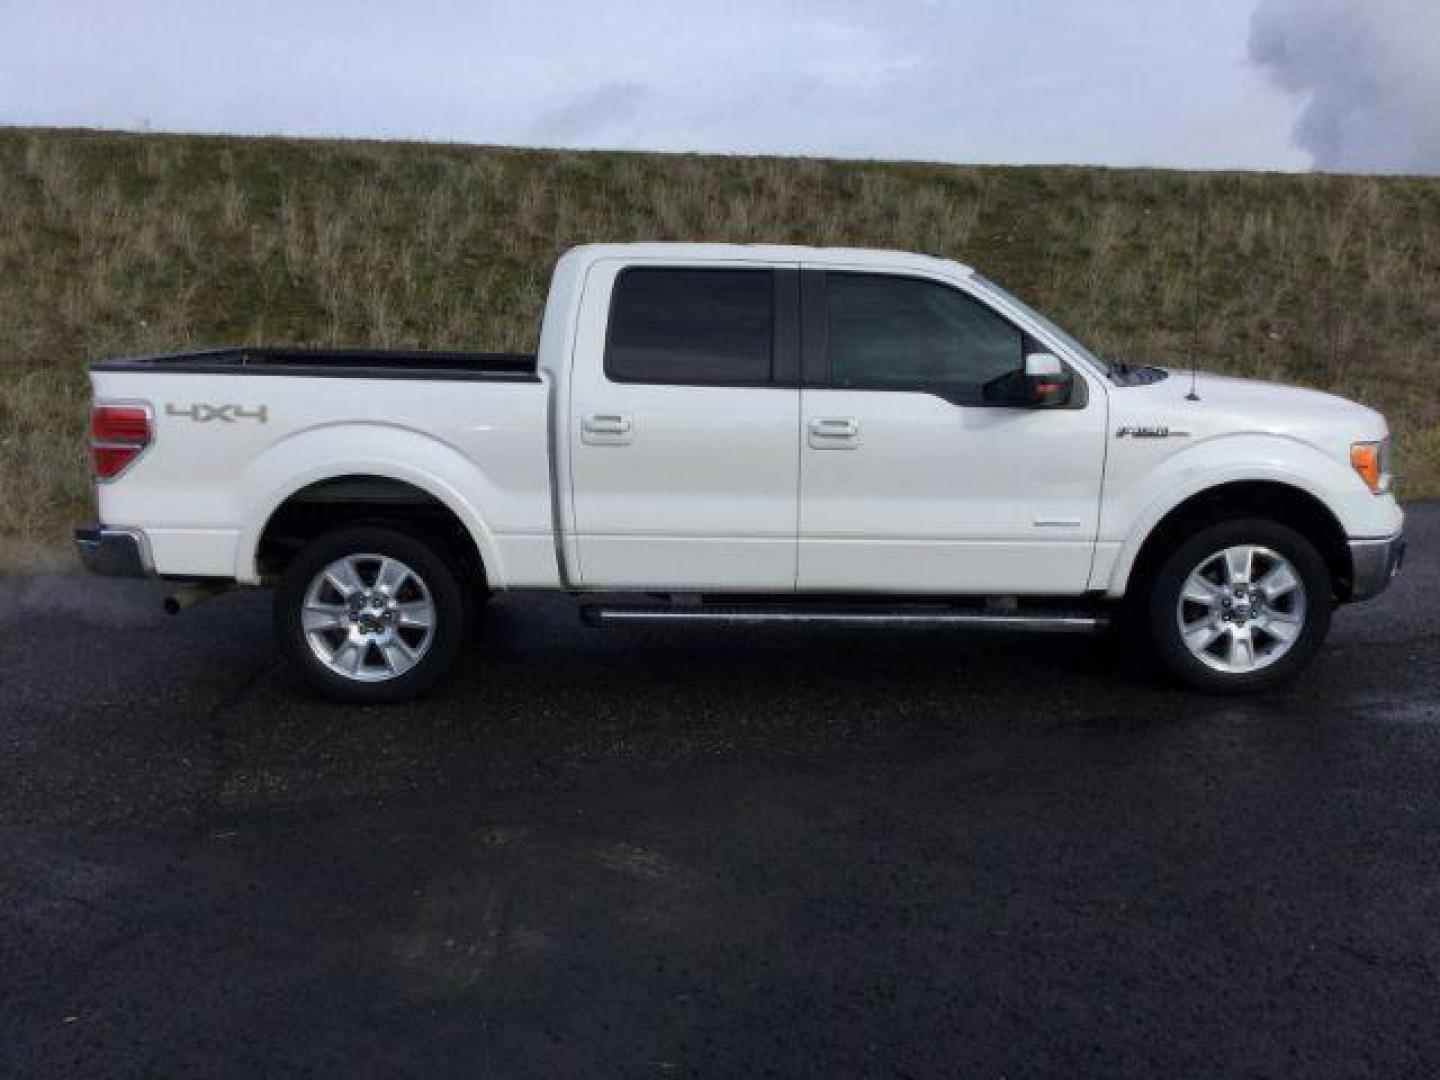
[[746, 434]]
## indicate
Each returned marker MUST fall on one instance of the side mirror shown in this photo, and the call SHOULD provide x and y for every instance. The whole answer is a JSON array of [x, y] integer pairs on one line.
[[1049, 382], [1043, 383]]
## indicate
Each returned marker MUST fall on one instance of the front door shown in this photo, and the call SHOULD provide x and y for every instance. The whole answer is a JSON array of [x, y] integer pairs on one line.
[[909, 482], [685, 441]]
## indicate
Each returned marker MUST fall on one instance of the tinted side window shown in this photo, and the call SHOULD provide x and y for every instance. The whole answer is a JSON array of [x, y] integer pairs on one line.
[[887, 332], [691, 326]]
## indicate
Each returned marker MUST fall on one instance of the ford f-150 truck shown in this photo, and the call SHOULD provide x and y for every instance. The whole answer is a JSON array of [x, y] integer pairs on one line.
[[746, 434]]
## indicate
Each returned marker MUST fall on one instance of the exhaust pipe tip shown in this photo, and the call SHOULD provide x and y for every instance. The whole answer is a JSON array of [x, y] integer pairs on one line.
[[187, 596]]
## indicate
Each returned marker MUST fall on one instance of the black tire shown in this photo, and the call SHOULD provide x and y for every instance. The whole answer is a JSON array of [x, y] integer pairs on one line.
[[432, 581], [1161, 607]]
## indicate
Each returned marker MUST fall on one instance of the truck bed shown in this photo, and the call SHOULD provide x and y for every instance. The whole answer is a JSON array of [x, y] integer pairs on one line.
[[334, 363], [234, 433]]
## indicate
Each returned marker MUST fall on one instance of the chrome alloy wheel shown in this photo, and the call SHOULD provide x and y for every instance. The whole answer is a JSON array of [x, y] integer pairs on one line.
[[368, 617], [1242, 609]]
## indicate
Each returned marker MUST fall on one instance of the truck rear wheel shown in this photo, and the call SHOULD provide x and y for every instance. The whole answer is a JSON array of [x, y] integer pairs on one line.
[[1241, 606], [368, 614]]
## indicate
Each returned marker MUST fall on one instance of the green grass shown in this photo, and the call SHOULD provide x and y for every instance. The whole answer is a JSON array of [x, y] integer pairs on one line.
[[116, 243]]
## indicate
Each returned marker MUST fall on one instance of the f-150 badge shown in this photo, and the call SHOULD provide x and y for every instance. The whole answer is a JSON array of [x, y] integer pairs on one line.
[[1156, 432], [203, 413]]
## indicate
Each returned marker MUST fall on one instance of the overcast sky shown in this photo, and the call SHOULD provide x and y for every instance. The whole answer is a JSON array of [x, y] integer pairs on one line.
[[1346, 85]]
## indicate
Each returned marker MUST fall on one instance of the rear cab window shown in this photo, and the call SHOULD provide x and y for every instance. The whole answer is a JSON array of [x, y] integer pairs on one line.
[[692, 326]]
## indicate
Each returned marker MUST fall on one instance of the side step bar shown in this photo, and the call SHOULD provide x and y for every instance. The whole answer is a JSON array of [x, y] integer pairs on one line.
[[1039, 621]]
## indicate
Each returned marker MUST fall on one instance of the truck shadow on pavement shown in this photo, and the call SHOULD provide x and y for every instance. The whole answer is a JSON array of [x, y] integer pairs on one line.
[[537, 694]]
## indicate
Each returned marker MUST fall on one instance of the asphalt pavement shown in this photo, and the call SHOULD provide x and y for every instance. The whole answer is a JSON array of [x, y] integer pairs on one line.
[[701, 851]]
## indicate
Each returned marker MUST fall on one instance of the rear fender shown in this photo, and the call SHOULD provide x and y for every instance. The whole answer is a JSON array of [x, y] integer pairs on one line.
[[363, 449]]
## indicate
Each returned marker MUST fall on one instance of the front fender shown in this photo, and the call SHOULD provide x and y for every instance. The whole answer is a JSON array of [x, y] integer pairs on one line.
[[1136, 500], [363, 449]]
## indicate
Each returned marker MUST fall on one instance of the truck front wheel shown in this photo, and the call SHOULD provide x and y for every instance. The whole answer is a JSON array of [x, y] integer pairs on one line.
[[1241, 606], [368, 614]]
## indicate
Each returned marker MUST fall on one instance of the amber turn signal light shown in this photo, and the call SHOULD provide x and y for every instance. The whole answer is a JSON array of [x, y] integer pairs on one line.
[[1368, 459]]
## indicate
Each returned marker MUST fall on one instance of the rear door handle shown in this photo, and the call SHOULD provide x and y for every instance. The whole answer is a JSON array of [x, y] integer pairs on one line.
[[606, 429], [834, 432]]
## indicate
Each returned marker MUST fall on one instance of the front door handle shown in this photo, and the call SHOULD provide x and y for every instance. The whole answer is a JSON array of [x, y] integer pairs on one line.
[[606, 429], [607, 425], [834, 432]]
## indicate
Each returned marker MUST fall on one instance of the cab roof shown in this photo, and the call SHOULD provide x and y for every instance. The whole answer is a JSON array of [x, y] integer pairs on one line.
[[769, 253]]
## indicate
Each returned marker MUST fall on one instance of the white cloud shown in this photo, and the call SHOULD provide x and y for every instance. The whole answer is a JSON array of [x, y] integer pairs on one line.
[[1369, 71]]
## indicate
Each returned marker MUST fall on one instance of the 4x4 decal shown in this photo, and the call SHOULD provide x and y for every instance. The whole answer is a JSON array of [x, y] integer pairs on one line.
[[203, 413]]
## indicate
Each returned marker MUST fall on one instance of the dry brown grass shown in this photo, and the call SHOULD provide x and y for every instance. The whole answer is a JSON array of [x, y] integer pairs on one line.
[[114, 243]]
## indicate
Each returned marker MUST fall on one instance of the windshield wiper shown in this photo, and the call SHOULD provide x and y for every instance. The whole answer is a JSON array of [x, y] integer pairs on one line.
[[1123, 374]]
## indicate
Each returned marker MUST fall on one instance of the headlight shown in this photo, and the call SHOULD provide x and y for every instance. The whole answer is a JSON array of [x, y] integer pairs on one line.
[[1372, 461]]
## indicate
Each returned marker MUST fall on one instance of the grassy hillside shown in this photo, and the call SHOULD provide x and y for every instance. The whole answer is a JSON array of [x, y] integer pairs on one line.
[[114, 243]]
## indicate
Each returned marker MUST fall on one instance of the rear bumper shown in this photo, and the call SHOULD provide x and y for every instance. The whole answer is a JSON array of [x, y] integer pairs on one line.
[[114, 552], [1373, 564]]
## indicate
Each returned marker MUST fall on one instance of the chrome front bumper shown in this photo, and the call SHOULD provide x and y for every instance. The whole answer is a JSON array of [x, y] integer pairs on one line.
[[1373, 563], [113, 552]]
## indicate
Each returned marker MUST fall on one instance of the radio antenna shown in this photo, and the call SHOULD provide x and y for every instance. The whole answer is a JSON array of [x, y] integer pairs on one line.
[[1195, 303]]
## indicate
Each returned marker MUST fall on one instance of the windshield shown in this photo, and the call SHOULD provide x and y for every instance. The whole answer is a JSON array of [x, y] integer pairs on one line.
[[1067, 338]]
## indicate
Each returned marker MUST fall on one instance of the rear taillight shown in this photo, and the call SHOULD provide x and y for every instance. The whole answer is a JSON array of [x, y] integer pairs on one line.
[[118, 435]]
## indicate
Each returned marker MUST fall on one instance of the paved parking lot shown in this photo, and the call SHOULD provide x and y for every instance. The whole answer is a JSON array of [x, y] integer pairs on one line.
[[770, 852]]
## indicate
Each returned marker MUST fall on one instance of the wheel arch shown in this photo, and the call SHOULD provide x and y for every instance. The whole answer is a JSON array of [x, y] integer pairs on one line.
[[374, 454], [1274, 500], [353, 499]]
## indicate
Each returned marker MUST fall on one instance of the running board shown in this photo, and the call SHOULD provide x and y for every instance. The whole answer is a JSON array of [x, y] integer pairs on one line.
[[1038, 621]]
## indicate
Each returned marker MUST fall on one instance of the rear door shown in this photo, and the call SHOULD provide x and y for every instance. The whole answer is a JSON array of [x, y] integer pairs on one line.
[[910, 483], [684, 439]]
